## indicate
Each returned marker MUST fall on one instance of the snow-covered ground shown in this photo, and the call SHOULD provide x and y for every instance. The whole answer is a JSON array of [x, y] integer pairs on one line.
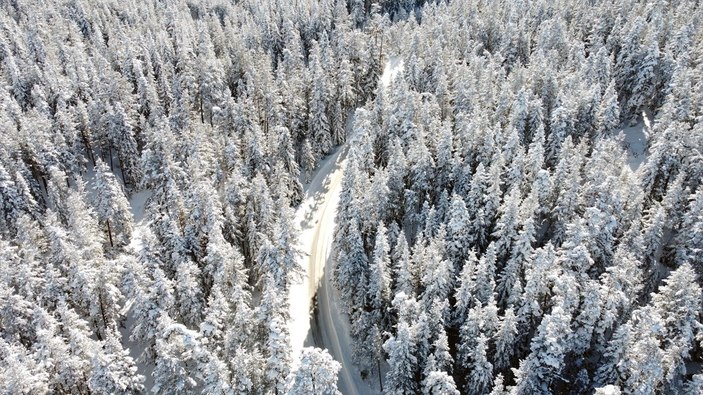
[[138, 204], [316, 218], [635, 139]]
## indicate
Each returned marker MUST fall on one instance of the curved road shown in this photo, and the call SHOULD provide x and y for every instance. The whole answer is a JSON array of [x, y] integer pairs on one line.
[[316, 217]]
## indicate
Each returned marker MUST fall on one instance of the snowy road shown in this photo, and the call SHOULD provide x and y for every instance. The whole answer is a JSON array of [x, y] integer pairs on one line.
[[316, 217], [311, 211]]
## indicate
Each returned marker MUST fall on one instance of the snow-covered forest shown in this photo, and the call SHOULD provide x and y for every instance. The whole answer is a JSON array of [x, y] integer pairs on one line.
[[517, 199]]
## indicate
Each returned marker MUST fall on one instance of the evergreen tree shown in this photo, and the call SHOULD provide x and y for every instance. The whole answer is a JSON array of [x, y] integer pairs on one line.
[[379, 272], [608, 111], [176, 349], [438, 383], [23, 374], [549, 347], [316, 373], [121, 135], [404, 282], [112, 206], [690, 238], [318, 118], [505, 340], [400, 379], [114, 370], [464, 292], [307, 160], [481, 370], [351, 271], [459, 238]]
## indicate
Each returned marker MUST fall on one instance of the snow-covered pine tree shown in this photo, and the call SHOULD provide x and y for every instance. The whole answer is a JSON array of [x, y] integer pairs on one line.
[[316, 373], [111, 206]]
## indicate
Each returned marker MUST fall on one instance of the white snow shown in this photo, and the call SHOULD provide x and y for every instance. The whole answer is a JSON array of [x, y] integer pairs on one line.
[[608, 390], [137, 203], [316, 218], [393, 67], [635, 139]]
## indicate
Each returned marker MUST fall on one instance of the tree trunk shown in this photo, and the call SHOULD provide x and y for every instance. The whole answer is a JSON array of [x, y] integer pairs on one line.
[[109, 233], [88, 148], [110, 150], [102, 312], [202, 115], [380, 382]]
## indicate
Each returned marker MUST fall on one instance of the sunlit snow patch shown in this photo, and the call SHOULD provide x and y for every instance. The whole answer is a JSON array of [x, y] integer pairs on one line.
[[608, 390], [393, 67]]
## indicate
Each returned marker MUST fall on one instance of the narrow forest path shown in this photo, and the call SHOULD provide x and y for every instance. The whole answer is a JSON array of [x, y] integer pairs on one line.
[[316, 217]]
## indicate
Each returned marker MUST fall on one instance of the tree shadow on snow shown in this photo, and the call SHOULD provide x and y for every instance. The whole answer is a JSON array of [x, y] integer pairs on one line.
[[319, 187]]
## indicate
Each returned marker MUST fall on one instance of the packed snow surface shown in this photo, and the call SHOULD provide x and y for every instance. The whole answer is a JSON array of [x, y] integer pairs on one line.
[[316, 217]]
